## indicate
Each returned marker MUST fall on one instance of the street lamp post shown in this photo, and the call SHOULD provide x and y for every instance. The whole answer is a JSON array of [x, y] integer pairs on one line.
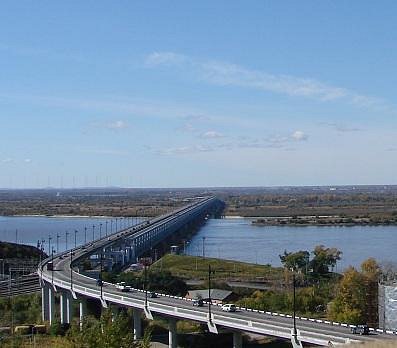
[[106, 228], [209, 291], [67, 234], [100, 230], [294, 303], [93, 232], [203, 247], [111, 226], [100, 274], [75, 238], [116, 225], [52, 268], [85, 235], [49, 245], [57, 243], [71, 270]]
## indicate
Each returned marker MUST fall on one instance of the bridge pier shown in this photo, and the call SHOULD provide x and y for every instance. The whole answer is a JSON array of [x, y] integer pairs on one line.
[[172, 334], [63, 307], [45, 302], [82, 311], [51, 304], [237, 339], [136, 313]]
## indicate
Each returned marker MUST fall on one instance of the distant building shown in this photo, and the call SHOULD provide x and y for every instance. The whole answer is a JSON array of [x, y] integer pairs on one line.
[[387, 303], [218, 296]]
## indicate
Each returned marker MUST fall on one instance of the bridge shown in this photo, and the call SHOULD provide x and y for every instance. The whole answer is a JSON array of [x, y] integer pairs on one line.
[[60, 275]]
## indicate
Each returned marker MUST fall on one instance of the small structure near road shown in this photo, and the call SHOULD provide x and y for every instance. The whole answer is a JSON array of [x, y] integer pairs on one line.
[[218, 296]]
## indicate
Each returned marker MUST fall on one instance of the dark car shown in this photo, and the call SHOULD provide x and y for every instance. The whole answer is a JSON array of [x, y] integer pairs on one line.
[[198, 303], [152, 294], [360, 330], [99, 282]]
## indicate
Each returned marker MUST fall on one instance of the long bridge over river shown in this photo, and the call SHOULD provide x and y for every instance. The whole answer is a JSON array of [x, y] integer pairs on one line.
[[59, 276]]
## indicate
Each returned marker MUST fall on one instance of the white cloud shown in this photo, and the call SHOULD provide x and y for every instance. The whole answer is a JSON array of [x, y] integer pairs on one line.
[[164, 58], [211, 135], [342, 128], [7, 160], [226, 74], [27, 160], [299, 135], [116, 125]]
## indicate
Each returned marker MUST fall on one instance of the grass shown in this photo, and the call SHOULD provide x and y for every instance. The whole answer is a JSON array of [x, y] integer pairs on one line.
[[194, 267]]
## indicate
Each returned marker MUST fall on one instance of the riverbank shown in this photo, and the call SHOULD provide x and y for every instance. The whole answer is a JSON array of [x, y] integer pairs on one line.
[[323, 221]]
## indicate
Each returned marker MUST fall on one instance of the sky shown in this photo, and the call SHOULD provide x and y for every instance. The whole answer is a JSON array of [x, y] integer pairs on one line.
[[193, 94]]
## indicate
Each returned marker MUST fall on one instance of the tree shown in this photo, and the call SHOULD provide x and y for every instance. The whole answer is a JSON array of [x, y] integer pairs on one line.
[[357, 298], [295, 261], [324, 258], [350, 303], [371, 271]]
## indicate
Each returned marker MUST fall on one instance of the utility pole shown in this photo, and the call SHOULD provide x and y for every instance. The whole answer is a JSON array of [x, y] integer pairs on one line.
[[85, 235]]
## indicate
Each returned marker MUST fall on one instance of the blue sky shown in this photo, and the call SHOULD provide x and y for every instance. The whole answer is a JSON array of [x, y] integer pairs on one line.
[[211, 93]]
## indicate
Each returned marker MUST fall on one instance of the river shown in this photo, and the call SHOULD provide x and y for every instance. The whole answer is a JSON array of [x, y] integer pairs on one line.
[[237, 239], [229, 238]]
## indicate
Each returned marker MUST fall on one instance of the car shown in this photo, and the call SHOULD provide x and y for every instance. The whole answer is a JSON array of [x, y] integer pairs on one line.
[[229, 307], [152, 294], [360, 330], [123, 287], [198, 302], [99, 282]]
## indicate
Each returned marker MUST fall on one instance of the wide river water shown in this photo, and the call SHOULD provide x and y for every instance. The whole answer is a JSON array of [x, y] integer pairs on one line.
[[229, 238], [238, 239]]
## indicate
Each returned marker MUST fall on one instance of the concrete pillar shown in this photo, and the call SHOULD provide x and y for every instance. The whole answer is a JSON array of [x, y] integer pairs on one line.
[[63, 307], [172, 338], [51, 304], [237, 339], [69, 308], [44, 302], [137, 323], [82, 311]]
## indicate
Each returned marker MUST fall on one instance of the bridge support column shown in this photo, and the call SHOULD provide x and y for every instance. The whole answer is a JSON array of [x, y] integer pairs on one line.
[[45, 302], [172, 337], [69, 307], [83, 311], [51, 304], [237, 339], [137, 323], [63, 307]]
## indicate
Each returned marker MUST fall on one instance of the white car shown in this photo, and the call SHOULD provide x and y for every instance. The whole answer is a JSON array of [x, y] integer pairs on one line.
[[229, 307], [122, 287]]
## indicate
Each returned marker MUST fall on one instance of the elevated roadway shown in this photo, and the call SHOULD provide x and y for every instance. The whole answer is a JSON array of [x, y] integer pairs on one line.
[[71, 285]]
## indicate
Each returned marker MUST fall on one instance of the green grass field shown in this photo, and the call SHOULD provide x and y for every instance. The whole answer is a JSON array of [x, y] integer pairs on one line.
[[193, 267]]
